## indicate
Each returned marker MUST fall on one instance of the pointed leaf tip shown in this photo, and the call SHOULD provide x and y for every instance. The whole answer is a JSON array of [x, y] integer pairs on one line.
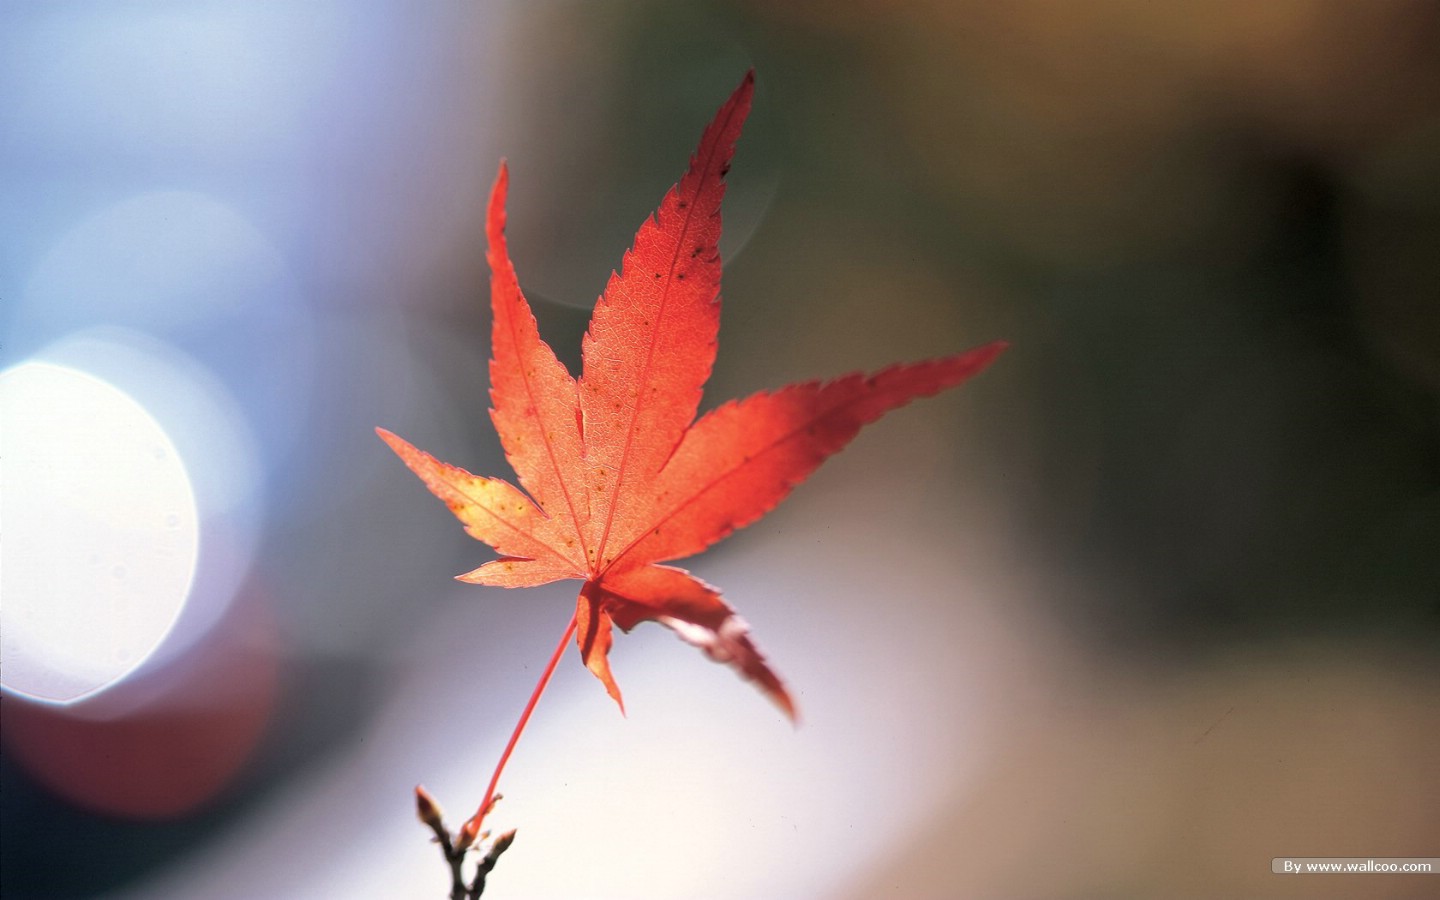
[[594, 636], [495, 211]]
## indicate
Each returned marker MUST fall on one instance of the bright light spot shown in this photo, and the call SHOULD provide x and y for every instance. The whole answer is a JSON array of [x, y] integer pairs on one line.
[[101, 535], [196, 410], [210, 433]]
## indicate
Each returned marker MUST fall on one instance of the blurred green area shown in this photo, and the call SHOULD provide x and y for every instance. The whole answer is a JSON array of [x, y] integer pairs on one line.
[[1211, 230]]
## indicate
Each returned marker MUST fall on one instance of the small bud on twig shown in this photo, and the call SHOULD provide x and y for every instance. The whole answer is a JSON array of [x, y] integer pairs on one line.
[[502, 843], [427, 809]]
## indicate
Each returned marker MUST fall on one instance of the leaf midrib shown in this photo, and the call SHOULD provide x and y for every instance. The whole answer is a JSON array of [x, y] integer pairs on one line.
[[702, 174]]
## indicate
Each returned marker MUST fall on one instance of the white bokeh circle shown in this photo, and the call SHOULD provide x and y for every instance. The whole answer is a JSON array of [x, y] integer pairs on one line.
[[101, 533]]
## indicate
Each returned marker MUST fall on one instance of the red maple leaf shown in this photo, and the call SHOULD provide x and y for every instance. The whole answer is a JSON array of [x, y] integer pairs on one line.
[[618, 475]]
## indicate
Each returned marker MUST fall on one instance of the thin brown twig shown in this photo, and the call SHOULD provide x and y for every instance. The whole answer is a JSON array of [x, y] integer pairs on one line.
[[430, 815]]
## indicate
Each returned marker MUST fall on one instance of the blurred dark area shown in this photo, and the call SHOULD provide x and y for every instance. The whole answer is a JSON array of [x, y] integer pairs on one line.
[[1216, 238], [1153, 601]]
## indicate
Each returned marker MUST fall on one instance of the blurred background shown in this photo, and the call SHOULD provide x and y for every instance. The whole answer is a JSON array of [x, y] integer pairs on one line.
[[1152, 601]]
